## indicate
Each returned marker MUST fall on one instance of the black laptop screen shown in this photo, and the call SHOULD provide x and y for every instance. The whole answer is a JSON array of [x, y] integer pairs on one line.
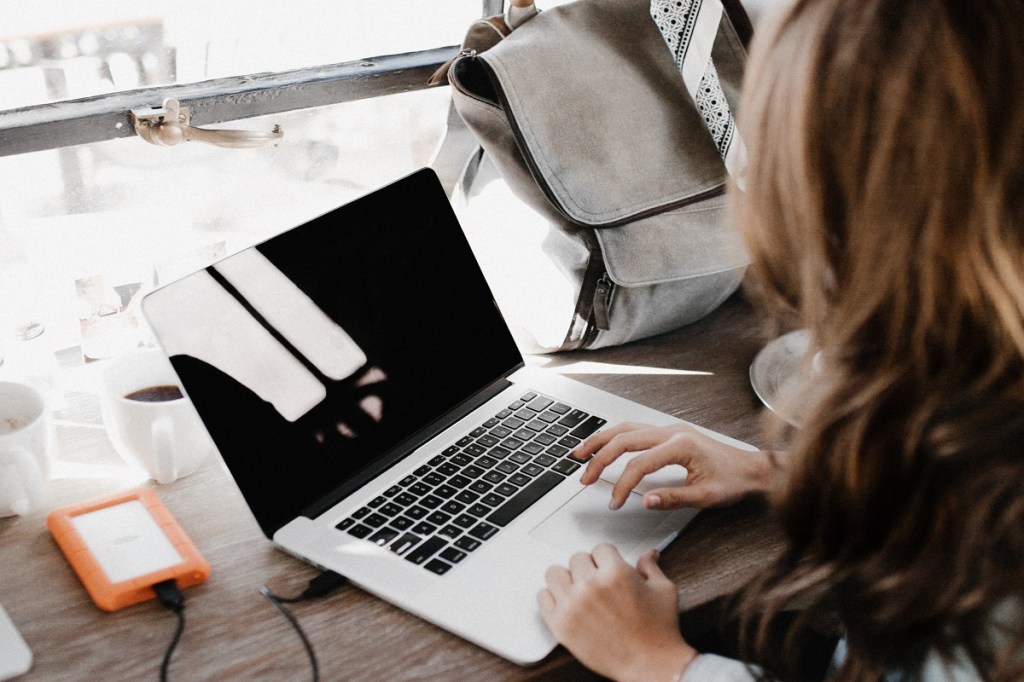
[[418, 330]]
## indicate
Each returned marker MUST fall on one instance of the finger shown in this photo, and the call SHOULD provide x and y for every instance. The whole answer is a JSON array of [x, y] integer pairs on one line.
[[699, 496], [648, 565], [546, 603], [596, 443], [558, 580], [636, 440], [607, 556], [581, 565], [677, 450]]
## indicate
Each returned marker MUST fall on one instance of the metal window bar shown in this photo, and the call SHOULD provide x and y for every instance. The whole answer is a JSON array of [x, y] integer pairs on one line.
[[105, 117]]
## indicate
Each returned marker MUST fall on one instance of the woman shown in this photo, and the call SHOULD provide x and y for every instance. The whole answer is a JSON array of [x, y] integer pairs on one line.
[[884, 208]]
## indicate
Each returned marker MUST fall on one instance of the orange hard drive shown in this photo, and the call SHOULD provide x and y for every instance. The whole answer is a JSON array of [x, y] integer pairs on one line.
[[123, 544]]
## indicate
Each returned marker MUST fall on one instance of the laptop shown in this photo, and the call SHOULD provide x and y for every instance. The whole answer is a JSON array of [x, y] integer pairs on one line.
[[369, 401]]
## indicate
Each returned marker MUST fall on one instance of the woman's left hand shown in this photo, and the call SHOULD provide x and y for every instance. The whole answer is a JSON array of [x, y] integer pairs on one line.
[[619, 621]]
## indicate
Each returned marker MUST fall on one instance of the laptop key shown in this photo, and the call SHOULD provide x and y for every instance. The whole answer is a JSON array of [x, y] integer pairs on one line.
[[560, 408], [519, 479], [360, 531], [405, 543], [494, 477], [475, 449], [435, 478], [405, 499], [424, 528], [488, 441], [540, 403], [383, 536], [401, 523], [439, 518], [452, 507], [544, 460], [431, 501], [416, 512], [361, 512], [499, 452], [347, 523], [375, 520], [467, 543], [392, 491], [477, 510], [532, 469], [506, 489], [445, 491], [425, 550], [464, 521], [377, 501], [568, 441], [472, 471], [420, 488], [390, 509], [486, 462], [493, 500], [483, 531], [573, 418], [453, 555], [459, 481], [544, 439], [588, 427], [467, 497], [566, 466], [461, 459], [437, 566], [516, 505], [481, 487], [451, 532]]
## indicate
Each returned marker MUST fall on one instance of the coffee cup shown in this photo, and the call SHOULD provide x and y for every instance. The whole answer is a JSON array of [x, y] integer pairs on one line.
[[24, 462], [151, 423]]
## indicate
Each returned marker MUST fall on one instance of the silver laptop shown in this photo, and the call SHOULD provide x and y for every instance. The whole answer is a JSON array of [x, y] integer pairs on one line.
[[368, 399]]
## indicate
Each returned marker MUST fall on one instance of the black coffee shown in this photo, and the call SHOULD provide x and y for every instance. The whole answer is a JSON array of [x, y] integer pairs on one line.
[[156, 394]]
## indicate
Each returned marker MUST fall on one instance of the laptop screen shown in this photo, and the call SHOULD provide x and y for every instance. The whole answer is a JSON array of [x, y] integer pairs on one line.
[[312, 355]]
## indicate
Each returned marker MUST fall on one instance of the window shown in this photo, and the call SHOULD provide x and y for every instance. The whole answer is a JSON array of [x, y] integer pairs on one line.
[[91, 215]]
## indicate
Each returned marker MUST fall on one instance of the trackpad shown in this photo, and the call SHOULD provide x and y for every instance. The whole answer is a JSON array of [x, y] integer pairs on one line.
[[586, 521]]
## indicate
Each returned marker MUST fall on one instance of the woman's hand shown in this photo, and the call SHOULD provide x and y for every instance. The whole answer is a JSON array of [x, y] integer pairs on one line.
[[718, 474], [619, 621]]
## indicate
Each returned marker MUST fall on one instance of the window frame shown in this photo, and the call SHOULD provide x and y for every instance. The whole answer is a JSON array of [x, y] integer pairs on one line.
[[105, 117]]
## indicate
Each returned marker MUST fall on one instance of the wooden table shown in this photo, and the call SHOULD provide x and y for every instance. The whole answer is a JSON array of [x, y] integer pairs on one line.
[[699, 373]]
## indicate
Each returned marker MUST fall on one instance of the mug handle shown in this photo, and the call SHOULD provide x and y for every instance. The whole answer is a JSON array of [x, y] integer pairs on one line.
[[165, 466], [19, 465]]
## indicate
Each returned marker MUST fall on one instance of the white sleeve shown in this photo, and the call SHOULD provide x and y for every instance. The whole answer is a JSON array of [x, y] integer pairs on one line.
[[714, 668]]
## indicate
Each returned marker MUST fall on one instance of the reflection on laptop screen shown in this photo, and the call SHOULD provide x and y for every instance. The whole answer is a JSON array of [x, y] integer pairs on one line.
[[311, 355]]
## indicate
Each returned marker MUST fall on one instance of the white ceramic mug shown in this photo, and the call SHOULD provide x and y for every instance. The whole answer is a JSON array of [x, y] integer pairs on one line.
[[163, 437], [24, 462]]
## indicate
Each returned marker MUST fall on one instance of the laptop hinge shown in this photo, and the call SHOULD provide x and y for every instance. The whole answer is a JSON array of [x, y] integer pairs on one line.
[[408, 446]]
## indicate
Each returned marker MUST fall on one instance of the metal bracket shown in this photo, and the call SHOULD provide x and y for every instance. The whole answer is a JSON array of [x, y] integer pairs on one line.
[[169, 125]]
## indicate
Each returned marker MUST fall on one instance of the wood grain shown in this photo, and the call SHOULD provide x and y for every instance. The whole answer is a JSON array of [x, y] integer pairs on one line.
[[232, 633]]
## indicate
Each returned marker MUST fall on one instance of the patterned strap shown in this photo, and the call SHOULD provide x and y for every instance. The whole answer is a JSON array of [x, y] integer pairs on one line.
[[689, 27]]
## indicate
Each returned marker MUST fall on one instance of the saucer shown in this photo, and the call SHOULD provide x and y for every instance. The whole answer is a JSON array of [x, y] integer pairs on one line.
[[775, 372]]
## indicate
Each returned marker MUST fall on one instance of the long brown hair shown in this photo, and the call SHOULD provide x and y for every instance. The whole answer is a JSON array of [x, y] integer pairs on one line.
[[884, 208]]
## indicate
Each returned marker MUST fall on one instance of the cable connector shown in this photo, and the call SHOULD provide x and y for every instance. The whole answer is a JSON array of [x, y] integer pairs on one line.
[[323, 584], [169, 595]]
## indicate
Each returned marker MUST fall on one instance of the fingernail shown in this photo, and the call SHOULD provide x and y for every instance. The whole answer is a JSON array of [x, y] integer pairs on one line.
[[653, 500], [613, 505]]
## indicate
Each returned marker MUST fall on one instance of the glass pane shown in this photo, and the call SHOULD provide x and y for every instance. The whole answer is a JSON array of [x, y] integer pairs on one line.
[[93, 226], [67, 49]]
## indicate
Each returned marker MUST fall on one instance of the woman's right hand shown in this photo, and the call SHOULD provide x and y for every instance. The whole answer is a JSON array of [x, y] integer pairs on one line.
[[718, 474]]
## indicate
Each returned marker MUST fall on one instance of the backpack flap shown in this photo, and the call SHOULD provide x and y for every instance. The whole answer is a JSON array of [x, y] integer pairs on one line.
[[601, 113]]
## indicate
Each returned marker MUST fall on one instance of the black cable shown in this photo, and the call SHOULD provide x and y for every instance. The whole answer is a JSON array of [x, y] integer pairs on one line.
[[171, 597], [318, 587]]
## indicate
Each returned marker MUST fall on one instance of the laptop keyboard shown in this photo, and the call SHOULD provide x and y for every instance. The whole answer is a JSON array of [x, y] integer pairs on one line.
[[440, 513]]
